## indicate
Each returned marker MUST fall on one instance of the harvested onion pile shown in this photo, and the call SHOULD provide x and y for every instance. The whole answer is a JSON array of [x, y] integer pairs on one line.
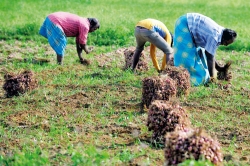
[[192, 144], [142, 64], [182, 78], [157, 88], [227, 76], [165, 116], [223, 73], [224, 76], [19, 84]]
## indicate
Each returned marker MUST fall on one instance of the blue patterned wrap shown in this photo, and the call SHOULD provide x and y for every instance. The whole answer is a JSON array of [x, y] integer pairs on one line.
[[187, 55], [55, 36]]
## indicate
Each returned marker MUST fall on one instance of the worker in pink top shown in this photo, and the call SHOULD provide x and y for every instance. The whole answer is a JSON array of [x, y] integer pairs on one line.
[[60, 25]]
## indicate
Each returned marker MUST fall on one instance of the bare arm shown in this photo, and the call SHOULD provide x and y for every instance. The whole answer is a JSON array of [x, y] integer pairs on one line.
[[79, 48], [210, 64], [84, 47]]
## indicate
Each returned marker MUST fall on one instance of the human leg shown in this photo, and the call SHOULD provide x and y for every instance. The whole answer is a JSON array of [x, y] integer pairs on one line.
[[139, 48], [57, 40], [59, 59]]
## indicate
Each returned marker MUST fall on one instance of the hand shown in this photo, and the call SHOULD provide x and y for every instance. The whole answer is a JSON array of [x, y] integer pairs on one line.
[[81, 59], [90, 49], [213, 80], [84, 61], [87, 51], [159, 71], [224, 73]]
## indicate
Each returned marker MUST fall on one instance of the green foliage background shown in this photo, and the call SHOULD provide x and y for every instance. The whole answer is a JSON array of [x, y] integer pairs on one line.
[[22, 19]]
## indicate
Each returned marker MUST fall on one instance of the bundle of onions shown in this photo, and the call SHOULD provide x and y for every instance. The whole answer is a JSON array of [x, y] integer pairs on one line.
[[20, 83], [191, 144], [224, 73], [166, 116], [182, 78], [157, 88], [142, 64]]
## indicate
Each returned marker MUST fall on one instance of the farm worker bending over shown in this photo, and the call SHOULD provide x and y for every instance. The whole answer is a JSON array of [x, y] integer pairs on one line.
[[196, 39], [60, 25], [155, 32]]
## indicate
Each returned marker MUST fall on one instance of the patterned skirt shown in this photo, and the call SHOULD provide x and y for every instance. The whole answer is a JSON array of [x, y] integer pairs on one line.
[[187, 55], [55, 36]]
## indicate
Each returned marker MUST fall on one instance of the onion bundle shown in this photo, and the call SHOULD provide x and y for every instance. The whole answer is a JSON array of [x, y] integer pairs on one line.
[[223, 72], [142, 64], [224, 75], [165, 116], [192, 144], [157, 88], [182, 78]]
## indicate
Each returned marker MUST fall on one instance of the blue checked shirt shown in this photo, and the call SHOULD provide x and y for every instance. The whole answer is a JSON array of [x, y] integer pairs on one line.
[[206, 32]]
